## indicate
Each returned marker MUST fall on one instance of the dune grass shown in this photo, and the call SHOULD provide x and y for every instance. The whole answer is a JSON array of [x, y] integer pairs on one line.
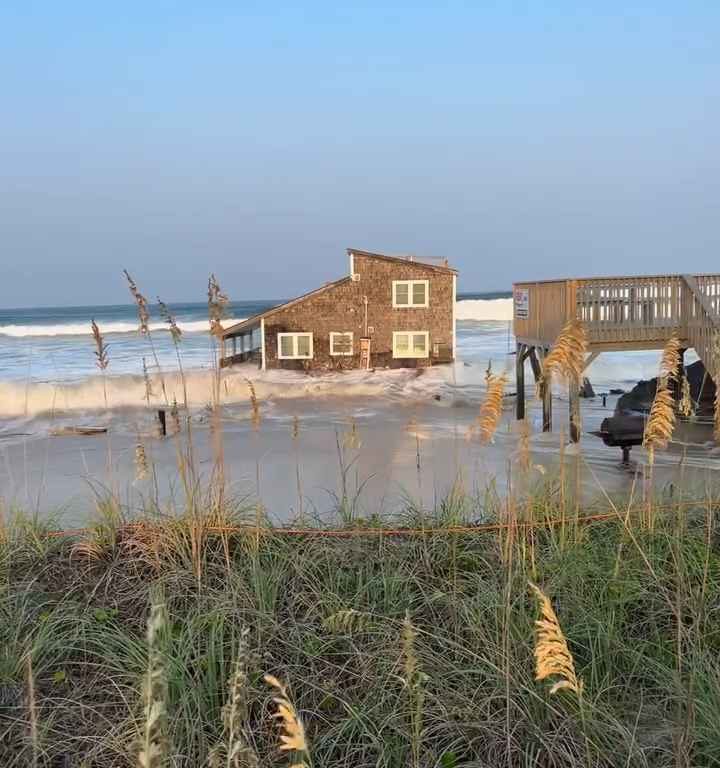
[[551, 635], [392, 650]]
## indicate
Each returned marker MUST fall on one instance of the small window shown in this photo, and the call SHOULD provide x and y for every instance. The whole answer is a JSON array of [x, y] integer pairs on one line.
[[341, 343], [411, 293], [411, 343], [295, 346]]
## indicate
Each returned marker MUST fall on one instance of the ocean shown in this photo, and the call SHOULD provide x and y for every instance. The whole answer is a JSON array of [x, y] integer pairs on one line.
[[49, 381], [48, 350], [54, 344]]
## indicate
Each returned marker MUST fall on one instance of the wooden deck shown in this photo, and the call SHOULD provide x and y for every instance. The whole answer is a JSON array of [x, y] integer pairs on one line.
[[619, 313]]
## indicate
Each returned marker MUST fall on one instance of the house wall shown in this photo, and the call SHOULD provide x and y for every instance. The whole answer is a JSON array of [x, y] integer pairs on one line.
[[342, 309]]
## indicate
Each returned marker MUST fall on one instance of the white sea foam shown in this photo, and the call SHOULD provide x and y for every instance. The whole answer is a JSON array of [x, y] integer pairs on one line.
[[128, 391], [107, 329]]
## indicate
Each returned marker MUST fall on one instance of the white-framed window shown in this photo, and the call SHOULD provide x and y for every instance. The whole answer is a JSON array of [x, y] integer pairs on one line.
[[295, 346], [411, 344], [341, 343], [411, 293]]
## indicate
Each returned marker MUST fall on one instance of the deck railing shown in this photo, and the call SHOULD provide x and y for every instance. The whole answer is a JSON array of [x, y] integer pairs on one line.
[[623, 312], [639, 310]]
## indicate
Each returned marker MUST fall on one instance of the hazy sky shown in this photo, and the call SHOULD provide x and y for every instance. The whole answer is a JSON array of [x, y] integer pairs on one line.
[[259, 140]]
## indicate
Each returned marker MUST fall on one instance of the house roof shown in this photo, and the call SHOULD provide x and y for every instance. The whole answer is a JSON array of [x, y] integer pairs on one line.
[[439, 265], [254, 321]]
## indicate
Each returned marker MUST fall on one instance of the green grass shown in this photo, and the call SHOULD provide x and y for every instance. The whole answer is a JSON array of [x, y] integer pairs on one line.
[[640, 609]]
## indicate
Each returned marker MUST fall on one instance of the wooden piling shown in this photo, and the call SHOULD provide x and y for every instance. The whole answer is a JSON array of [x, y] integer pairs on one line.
[[520, 382]]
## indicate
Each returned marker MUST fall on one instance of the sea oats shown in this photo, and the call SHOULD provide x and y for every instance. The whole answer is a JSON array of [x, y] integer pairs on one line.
[[352, 436], [254, 404], [347, 622], [141, 462], [142, 305], [292, 735], [234, 751], [169, 318], [101, 351], [567, 356], [490, 414], [175, 417], [149, 393], [552, 655], [217, 305], [670, 360], [523, 451], [414, 680], [153, 742], [661, 421], [686, 406]]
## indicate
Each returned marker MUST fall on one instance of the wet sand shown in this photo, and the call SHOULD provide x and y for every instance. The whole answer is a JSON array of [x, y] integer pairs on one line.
[[376, 460]]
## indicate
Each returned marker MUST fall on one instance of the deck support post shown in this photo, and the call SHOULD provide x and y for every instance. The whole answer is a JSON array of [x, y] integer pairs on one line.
[[544, 386], [677, 383], [546, 394], [574, 400], [520, 354]]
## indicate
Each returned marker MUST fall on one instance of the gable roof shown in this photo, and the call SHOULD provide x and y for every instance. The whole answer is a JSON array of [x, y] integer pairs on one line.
[[254, 320], [439, 265]]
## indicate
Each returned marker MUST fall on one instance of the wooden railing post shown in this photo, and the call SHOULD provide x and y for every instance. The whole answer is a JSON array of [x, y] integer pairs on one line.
[[571, 307]]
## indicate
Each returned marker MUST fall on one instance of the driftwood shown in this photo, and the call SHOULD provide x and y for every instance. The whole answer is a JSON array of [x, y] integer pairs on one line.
[[77, 431]]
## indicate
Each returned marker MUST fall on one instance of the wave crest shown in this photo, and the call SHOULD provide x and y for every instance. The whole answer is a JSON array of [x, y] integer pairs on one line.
[[107, 329], [481, 310], [127, 391]]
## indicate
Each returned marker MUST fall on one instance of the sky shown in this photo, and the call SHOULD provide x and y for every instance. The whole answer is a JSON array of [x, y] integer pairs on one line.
[[521, 140]]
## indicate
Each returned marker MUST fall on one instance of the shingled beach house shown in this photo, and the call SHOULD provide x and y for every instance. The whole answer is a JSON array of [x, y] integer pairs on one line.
[[389, 312]]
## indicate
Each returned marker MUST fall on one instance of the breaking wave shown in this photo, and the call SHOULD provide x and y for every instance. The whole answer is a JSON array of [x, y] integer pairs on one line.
[[107, 329], [128, 391], [480, 310]]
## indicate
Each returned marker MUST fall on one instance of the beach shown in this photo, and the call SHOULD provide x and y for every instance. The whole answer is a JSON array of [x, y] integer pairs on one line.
[[382, 438], [392, 440]]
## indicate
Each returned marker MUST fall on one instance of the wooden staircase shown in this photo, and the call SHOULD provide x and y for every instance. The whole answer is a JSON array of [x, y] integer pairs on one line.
[[701, 319]]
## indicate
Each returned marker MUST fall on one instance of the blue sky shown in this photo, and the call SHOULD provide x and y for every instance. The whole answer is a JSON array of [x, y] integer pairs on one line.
[[521, 140]]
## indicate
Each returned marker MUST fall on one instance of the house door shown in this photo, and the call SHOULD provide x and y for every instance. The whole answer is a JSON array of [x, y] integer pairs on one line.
[[365, 353]]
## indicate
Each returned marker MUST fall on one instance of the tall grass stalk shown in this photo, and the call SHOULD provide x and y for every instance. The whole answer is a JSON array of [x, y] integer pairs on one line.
[[154, 746], [234, 751], [102, 359], [144, 327], [295, 436], [32, 710], [414, 682]]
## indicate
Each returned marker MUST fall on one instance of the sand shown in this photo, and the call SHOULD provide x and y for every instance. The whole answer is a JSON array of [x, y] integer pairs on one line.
[[376, 460]]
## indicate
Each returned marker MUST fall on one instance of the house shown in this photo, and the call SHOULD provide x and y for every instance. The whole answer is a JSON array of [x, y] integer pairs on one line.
[[390, 311]]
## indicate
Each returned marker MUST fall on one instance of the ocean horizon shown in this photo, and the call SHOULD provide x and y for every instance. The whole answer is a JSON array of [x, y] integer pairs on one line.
[[55, 343]]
